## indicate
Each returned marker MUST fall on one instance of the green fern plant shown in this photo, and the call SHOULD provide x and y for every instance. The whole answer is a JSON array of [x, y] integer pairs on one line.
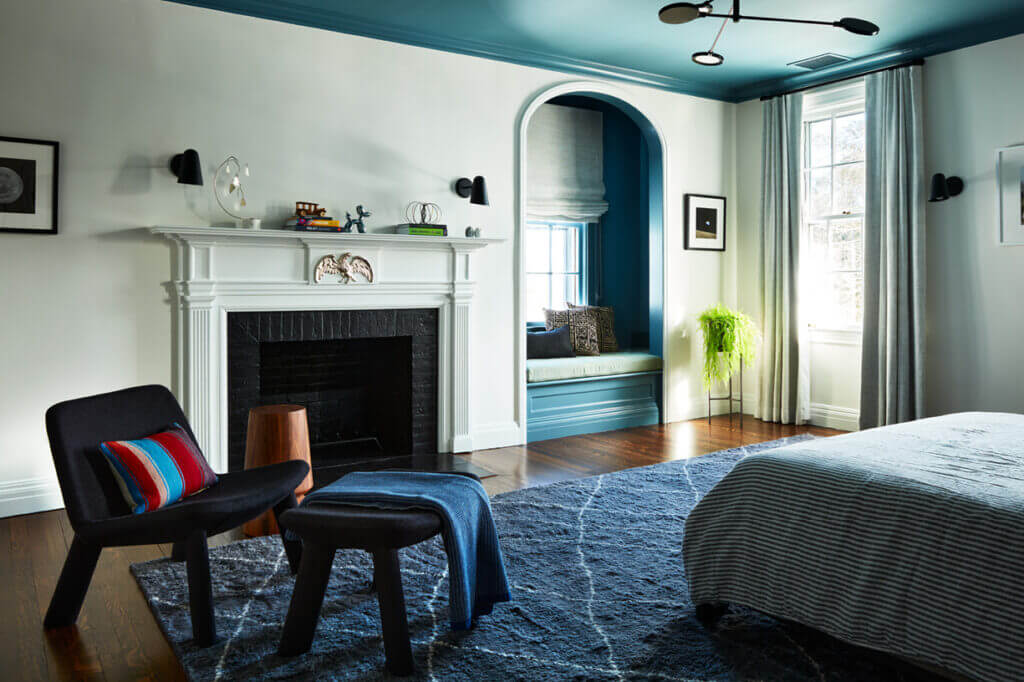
[[729, 337]]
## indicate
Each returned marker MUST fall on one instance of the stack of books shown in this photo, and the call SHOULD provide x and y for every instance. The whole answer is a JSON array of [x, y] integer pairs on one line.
[[422, 229], [314, 224]]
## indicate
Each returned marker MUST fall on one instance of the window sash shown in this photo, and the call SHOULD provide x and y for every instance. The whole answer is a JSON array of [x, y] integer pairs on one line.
[[556, 275]]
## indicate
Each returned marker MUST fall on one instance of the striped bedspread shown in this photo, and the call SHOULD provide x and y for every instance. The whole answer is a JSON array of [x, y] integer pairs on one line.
[[908, 539]]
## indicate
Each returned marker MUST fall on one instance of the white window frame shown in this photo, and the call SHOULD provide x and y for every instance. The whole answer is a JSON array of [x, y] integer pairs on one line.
[[581, 258], [828, 104]]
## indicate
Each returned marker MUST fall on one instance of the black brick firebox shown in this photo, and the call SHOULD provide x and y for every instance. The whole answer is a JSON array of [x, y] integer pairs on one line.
[[368, 379]]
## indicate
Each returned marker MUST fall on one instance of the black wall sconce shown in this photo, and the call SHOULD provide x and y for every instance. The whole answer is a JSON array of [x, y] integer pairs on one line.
[[943, 188], [475, 189], [187, 168]]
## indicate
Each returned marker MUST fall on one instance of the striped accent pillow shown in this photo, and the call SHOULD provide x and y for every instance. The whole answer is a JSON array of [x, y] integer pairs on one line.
[[158, 470]]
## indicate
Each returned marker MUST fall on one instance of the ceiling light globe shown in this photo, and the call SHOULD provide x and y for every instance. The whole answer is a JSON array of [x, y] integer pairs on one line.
[[679, 13], [708, 58]]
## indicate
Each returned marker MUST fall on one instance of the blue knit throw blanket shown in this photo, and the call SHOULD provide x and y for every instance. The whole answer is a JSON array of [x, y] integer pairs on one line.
[[475, 566]]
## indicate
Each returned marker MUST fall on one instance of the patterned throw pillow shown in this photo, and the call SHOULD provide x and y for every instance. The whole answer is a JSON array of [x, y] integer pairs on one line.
[[605, 327], [582, 325], [158, 470]]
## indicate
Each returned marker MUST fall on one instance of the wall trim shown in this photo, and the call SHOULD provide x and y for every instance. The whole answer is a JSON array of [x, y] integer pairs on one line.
[[497, 435], [29, 495], [835, 417]]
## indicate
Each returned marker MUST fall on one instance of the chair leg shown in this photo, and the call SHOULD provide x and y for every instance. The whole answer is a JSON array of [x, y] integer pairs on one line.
[[73, 584], [394, 623], [179, 551], [200, 589], [307, 599], [292, 543]]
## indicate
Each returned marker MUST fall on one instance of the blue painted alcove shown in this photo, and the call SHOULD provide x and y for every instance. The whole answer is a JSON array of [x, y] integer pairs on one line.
[[575, 406]]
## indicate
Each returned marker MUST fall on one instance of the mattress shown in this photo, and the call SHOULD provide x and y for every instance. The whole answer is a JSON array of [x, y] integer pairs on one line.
[[606, 364], [908, 539]]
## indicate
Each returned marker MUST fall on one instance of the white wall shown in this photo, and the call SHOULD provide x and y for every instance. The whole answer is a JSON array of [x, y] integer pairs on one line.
[[319, 116], [973, 105], [974, 315]]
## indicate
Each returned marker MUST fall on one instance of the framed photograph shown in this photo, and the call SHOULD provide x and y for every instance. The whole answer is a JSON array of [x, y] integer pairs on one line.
[[704, 227], [28, 185], [1010, 190]]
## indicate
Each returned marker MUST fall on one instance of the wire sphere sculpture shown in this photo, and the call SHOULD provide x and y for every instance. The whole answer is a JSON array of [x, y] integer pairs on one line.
[[422, 213]]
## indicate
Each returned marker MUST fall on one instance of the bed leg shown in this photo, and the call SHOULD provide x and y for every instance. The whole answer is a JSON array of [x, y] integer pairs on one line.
[[708, 614]]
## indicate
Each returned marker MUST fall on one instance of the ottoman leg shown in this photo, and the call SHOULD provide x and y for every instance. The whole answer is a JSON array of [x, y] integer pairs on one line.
[[388, 578], [307, 598]]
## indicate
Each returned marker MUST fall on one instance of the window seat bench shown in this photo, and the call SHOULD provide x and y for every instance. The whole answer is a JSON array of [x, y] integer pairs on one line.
[[573, 396]]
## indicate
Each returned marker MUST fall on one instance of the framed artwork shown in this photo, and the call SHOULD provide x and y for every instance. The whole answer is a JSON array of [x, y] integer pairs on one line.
[[704, 222], [28, 185], [1010, 191]]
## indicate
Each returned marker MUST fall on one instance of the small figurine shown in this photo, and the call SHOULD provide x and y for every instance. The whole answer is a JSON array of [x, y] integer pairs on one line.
[[472, 231], [307, 209], [351, 222]]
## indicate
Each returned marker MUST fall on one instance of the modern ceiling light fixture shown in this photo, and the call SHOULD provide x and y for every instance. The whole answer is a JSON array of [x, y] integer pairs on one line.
[[685, 12]]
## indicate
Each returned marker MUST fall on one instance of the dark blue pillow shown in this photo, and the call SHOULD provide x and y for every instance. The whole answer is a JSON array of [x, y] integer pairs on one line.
[[549, 344]]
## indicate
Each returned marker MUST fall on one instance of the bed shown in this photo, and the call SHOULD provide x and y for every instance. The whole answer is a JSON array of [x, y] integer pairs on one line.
[[907, 539]]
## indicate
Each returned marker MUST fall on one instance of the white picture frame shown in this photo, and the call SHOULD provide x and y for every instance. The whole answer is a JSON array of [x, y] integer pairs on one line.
[[1010, 195]]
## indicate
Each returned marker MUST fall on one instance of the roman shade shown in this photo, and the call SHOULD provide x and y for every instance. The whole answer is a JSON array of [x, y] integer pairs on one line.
[[565, 165]]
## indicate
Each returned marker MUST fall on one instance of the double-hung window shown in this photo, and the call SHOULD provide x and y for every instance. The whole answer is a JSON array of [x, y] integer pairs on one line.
[[832, 258], [554, 266]]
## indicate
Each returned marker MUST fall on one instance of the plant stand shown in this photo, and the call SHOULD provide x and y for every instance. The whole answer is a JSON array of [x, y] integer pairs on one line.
[[729, 398]]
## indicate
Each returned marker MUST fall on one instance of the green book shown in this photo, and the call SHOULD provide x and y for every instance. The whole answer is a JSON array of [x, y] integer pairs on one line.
[[424, 230]]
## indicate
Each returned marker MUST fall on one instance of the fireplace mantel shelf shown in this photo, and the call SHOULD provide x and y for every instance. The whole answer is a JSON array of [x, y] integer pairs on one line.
[[341, 239]]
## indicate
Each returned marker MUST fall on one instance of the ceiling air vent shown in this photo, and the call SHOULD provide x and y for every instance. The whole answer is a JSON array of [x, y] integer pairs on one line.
[[822, 61]]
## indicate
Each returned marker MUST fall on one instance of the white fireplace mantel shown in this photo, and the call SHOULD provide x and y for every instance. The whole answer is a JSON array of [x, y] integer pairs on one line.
[[222, 270]]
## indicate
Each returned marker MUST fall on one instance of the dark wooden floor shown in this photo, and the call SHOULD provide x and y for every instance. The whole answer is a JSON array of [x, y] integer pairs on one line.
[[117, 638]]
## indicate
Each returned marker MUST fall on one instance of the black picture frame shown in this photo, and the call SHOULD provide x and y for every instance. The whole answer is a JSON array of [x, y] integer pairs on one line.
[[55, 189], [704, 202]]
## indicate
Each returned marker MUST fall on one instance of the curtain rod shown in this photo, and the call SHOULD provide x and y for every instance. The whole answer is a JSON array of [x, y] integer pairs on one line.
[[912, 62]]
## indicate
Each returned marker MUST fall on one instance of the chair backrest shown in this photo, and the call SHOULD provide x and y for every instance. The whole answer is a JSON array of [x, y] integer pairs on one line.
[[77, 427]]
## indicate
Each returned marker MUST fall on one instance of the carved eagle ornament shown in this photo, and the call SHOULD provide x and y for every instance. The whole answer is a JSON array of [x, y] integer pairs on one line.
[[347, 266]]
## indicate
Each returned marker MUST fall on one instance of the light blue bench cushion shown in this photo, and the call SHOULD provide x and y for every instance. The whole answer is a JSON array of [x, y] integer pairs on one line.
[[606, 364]]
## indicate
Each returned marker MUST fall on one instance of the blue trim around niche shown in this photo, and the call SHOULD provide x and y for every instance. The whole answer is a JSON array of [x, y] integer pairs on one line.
[[293, 13]]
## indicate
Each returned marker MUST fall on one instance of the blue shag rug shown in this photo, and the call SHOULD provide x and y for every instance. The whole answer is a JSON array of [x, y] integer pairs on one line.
[[598, 587]]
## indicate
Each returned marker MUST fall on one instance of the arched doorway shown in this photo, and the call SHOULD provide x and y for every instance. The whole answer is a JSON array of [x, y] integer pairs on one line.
[[657, 182]]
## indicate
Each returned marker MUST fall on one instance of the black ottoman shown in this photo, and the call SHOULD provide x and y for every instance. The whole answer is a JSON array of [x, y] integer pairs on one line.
[[326, 528]]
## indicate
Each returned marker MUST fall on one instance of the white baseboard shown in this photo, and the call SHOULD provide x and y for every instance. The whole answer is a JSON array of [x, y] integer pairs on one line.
[[497, 435], [697, 407], [29, 495], [835, 417]]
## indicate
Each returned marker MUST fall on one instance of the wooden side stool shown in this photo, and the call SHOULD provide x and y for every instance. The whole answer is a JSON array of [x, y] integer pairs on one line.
[[277, 433]]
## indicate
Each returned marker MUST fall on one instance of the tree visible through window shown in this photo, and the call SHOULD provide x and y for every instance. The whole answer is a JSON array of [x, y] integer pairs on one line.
[[554, 268], [832, 260]]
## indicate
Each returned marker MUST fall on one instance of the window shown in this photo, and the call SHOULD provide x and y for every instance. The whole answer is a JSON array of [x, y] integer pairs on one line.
[[832, 260], [554, 266]]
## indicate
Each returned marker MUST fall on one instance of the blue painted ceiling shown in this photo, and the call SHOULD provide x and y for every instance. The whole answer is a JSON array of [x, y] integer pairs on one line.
[[624, 38]]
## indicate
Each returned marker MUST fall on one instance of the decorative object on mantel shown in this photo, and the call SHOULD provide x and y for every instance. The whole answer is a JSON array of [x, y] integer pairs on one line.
[[473, 232], [729, 340], [28, 185], [943, 188], [704, 222], [346, 265], [234, 186], [422, 219], [357, 223], [312, 218], [475, 189], [1010, 185], [187, 168]]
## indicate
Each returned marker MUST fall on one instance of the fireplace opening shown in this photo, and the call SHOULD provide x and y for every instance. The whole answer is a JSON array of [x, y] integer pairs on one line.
[[357, 393], [367, 378]]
